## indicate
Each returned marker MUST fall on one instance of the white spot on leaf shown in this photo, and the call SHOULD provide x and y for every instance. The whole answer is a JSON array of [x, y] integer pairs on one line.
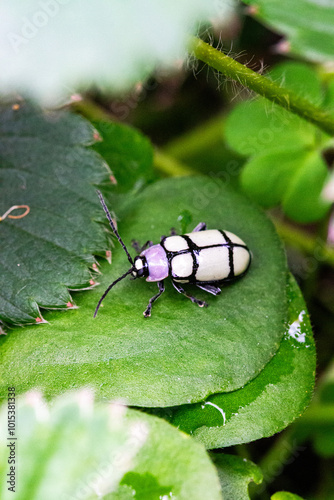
[[295, 329]]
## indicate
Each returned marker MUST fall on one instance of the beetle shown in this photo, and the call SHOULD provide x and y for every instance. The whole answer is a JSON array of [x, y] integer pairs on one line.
[[205, 258]]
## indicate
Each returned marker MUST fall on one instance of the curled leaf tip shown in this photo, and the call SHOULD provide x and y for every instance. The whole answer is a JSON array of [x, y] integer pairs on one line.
[[97, 136], [328, 190], [330, 235], [282, 47], [95, 268], [15, 207], [252, 10], [108, 256], [76, 98]]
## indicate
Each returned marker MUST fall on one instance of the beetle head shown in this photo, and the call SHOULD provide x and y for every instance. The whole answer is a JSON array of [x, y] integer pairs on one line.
[[140, 267]]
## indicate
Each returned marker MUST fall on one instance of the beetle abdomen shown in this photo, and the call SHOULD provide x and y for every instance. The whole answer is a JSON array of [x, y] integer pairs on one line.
[[206, 256]]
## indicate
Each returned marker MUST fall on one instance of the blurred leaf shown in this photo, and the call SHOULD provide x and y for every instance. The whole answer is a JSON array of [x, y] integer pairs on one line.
[[183, 353], [115, 450], [329, 98], [268, 183], [284, 495], [307, 25], [111, 45], [46, 465], [285, 163], [323, 438], [169, 465], [322, 410], [44, 163], [300, 78], [303, 201], [235, 474], [273, 128], [128, 153], [202, 149], [325, 393], [294, 177], [268, 403]]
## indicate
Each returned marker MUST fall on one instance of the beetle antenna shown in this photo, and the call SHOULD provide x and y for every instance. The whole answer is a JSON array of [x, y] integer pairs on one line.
[[109, 288], [112, 225]]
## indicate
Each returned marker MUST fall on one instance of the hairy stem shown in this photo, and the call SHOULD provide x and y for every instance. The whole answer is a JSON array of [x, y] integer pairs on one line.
[[262, 85]]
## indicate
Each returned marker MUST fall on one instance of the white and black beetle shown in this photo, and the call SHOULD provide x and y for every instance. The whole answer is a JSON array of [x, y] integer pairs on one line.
[[205, 258]]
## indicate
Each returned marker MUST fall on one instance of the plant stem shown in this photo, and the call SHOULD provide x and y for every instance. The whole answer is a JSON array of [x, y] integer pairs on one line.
[[284, 451], [306, 243], [170, 166], [165, 163], [262, 85], [290, 443], [205, 135], [90, 110], [317, 415]]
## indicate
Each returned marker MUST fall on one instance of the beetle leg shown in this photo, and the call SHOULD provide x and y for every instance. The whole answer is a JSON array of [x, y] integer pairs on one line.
[[215, 290], [200, 227], [136, 245], [172, 232], [179, 288], [147, 312]]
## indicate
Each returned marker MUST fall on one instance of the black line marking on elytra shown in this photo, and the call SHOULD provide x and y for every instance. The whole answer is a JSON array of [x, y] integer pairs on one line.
[[195, 250], [230, 254]]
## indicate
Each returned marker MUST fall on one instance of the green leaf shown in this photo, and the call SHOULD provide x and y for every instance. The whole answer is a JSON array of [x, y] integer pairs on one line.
[[272, 128], [329, 97], [128, 153], [285, 163], [235, 474], [44, 441], [302, 200], [284, 495], [93, 50], [267, 175], [300, 78], [267, 404], [45, 164], [307, 25], [117, 451], [169, 465], [319, 419], [294, 177], [183, 353], [323, 438]]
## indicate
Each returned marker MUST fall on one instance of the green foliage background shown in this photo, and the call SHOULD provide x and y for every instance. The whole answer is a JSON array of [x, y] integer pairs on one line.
[[223, 377]]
